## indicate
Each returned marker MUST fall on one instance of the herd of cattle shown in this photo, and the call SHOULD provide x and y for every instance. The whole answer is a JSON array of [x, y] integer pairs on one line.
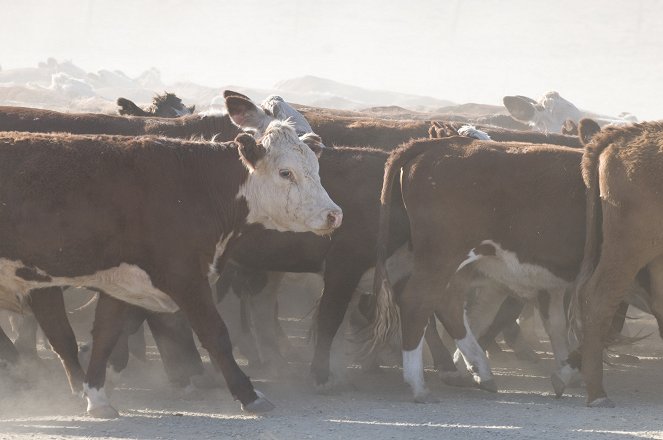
[[164, 210]]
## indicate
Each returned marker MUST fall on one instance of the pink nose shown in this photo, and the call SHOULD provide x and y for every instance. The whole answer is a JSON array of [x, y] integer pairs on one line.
[[334, 219]]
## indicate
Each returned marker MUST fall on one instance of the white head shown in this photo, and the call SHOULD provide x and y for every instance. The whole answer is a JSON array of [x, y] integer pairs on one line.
[[548, 115], [283, 190]]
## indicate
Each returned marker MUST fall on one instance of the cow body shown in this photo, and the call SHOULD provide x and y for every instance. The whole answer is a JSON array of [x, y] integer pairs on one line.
[[510, 211], [142, 219], [622, 168]]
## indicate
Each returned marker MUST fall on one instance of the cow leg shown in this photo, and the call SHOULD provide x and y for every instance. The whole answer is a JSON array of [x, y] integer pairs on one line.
[[551, 308], [656, 285], [481, 311], [602, 295], [132, 320], [26, 326], [506, 315], [442, 359], [8, 352], [107, 329], [263, 308], [415, 305], [174, 338], [340, 281], [206, 322], [48, 307]]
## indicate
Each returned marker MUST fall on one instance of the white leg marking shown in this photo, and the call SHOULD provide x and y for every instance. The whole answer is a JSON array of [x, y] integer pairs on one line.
[[96, 398], [474, 356], [413, 371]]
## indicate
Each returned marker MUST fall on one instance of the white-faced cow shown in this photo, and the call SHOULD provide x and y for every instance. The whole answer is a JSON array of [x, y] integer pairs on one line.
[[551, 112], [142, 219]]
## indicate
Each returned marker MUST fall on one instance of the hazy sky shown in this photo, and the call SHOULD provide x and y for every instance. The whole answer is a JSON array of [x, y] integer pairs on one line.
[[602, 55]]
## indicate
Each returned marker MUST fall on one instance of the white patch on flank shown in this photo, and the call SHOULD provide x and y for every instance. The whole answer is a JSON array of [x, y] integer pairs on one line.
[[471, 258], [125, 282], [473, 355], [472, 132], [413, 369], [524, 279], [96, 398]]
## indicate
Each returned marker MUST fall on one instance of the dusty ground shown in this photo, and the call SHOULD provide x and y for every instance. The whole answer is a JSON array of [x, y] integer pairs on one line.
[[372, 407]]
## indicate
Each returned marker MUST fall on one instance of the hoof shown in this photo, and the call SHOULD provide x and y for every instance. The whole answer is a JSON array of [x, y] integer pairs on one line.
[[258, 406], [558, 384], [456, 379], [426, 397], [104, 412], [487, 385], [601, 402]]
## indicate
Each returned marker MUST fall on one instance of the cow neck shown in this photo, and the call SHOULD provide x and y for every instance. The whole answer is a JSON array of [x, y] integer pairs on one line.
[[220, 175]]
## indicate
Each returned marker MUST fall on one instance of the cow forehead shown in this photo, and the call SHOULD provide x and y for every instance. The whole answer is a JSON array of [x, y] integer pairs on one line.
[[285, 148]]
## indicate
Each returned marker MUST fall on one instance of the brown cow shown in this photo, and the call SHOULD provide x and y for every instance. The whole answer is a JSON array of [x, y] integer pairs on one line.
[[47, 121], [517, 209], [441, 129], [623, 171], [123, 210]]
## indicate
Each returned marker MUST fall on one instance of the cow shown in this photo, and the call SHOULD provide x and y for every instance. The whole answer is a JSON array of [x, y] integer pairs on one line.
[[116, 214], [550, 113], [47, 121], [621, 168], [511, 211], [167, 105], [439, 129]]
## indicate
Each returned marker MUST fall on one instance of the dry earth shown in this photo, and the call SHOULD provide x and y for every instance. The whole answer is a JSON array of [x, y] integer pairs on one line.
[[372, 406]]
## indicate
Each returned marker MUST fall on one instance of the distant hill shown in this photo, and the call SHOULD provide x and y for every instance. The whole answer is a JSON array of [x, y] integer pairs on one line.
[[351, 97]]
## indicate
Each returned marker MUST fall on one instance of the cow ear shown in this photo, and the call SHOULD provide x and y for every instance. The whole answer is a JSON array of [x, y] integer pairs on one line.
[[519, 107], [249, 152], [570, 128], [314, 142], [127, 107], [192, 109], [587, 128], [227, 93], [245, 114]]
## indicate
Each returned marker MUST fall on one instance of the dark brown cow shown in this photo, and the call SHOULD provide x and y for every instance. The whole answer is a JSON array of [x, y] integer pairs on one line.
[[623, 171], [167, 105], [115, 214], [47, 121], [517, 209]]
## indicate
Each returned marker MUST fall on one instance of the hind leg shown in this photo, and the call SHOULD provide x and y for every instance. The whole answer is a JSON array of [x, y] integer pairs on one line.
[[108, 320], [656, 274], [48, 307], [600, 299], [8, 351], [415, 305]]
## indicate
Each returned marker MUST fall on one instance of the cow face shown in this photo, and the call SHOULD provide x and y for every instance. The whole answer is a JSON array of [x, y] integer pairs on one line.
[[548, 115], [283, 189]]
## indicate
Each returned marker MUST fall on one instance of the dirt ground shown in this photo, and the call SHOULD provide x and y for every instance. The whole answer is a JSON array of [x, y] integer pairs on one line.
[[370, 406]]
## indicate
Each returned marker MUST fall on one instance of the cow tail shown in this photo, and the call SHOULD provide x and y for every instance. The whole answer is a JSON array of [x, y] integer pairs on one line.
[[593, 219], [386, 323]]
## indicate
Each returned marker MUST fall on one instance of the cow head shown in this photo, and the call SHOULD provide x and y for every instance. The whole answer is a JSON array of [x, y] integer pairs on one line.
[[547, 115], [167, 105], [283, 189]]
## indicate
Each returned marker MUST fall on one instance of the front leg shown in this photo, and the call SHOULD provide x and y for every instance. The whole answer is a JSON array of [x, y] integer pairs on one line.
[[340, 281]]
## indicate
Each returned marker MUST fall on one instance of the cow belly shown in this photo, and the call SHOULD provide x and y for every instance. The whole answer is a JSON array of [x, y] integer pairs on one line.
[[125, 282], [504, 267]]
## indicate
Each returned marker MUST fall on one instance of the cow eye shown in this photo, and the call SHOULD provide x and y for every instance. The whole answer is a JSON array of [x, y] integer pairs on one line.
[[286, 174]]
